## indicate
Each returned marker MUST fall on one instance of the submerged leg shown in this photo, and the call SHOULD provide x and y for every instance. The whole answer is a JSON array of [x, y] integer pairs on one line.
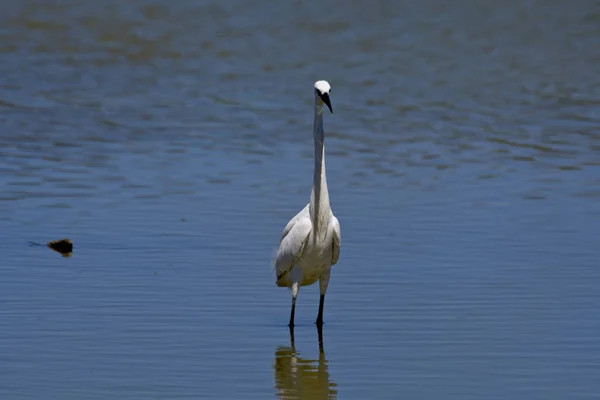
[[323, 283], [319, 321], [292, 336], [320, 336], [295, 288], [291, 324]]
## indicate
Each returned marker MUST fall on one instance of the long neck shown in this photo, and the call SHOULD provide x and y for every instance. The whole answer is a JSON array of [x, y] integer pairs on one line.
[[319, 200]]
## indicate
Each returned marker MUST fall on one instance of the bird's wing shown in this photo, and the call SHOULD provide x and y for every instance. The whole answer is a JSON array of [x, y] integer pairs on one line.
[[296, 217], [291, 246], [337, 240]]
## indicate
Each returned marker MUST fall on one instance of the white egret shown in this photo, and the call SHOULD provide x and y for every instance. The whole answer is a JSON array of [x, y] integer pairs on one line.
[[310, 243]]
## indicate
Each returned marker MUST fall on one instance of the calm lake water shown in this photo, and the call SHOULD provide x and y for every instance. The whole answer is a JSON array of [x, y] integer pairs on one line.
[[171, 141]]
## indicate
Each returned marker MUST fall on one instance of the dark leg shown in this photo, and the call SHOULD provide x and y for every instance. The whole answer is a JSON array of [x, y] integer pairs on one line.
[[292, 336], [320, 335], [319, 321], [291, 324]]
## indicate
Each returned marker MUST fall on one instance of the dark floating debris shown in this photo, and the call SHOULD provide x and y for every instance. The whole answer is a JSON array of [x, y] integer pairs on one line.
[[62, 246]]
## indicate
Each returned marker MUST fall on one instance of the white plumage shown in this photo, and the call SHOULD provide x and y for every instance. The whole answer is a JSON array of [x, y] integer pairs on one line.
[[310, 243]]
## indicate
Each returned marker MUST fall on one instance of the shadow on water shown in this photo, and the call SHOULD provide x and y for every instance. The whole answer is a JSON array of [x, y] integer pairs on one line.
[[302, 378]]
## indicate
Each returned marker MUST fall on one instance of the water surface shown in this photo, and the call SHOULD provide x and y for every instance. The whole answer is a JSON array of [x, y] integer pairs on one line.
[[171, 142]]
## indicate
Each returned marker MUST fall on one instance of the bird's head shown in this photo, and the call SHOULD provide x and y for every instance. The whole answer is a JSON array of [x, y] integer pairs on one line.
[[322, 89]]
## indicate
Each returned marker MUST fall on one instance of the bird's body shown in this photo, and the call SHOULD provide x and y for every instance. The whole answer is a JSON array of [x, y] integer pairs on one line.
[[310, 243], [317, 255]]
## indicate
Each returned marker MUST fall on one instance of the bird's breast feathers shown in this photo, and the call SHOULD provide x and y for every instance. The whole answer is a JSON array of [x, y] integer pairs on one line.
[[316, 255]]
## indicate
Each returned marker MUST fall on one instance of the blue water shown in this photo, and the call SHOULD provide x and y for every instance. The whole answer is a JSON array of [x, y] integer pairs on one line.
[[171, 142]]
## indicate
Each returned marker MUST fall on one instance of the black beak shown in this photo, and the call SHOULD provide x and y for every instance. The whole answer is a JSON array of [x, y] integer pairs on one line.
[[325, 98]]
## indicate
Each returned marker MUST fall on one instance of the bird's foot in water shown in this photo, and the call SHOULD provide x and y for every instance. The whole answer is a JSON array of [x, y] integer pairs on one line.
[[319, 323]]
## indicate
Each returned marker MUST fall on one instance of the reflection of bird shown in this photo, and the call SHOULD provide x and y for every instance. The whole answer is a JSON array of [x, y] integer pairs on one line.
[[300, 378], [310, 243]]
